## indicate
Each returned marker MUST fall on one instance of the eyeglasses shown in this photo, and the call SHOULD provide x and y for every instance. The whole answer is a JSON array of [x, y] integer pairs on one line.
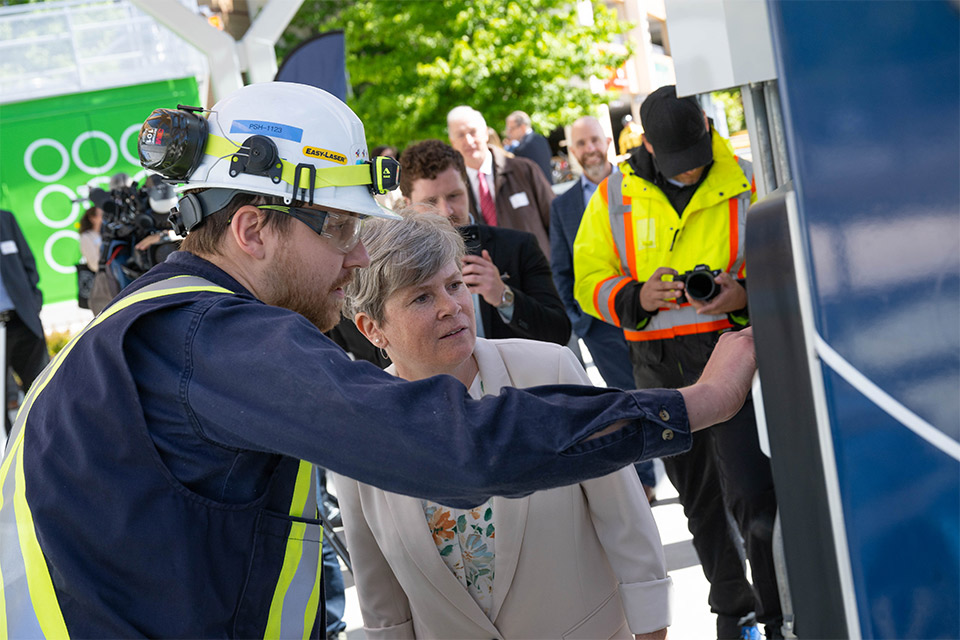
[[342, 229]]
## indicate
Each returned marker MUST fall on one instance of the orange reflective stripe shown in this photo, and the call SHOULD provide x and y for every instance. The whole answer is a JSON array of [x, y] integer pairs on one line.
[[673, 332], [734, 233], [603, 190], [630, 241]]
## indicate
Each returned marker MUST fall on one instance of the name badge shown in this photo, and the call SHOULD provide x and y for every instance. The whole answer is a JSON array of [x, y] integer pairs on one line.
[[8, 247], [519, 199]]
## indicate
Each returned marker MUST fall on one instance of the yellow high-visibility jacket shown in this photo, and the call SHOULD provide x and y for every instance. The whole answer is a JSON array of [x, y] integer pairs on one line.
[[630, 229]]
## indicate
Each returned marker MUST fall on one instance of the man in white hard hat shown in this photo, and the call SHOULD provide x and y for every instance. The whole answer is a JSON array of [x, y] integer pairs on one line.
[[159, 479]]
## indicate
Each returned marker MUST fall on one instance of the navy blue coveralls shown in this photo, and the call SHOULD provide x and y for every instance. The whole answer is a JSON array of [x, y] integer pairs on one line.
[[154, 487]]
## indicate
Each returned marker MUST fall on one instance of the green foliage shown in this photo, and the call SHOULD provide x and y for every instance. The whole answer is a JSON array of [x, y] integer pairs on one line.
[[57, 340], [733, 106], [411, 62]]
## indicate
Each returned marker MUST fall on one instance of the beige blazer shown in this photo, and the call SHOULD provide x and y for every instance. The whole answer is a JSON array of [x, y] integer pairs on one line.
[[583, 561]]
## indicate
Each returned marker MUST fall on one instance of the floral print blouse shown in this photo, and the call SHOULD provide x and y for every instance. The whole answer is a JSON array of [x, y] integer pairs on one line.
[[464, 539]]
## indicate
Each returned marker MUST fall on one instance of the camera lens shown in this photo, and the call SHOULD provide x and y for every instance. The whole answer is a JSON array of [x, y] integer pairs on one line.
[[700, 286]]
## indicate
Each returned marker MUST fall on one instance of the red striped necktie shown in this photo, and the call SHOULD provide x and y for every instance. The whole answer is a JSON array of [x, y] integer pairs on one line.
[[487, 208]]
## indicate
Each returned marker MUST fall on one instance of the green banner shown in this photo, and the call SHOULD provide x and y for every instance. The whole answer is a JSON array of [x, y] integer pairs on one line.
[[52, 146]]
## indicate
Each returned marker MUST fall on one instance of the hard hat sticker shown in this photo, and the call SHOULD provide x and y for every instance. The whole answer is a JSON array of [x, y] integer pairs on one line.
[[264, 128], [324, 154]]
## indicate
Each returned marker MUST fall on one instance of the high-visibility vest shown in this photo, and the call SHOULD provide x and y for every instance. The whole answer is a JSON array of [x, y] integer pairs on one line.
[[630, 229], [30, 596]]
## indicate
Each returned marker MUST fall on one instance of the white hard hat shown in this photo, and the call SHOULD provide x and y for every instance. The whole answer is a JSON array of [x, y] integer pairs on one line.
[[281, 139]]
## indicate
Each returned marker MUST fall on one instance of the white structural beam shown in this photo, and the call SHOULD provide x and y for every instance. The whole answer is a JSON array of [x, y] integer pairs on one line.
[[719, 44], [258, 57], [219, 47]]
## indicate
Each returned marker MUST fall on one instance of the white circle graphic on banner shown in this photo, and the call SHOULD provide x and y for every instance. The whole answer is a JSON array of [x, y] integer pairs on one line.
[[100, 135], [99, 182], [42, 217], [48, 251], [129, 157], [43, 177]]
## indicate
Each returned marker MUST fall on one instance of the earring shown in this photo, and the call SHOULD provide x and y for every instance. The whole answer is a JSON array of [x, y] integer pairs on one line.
[[383, 353]]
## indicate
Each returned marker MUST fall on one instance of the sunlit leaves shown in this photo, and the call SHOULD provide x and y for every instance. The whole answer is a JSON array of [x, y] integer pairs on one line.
[[411, 62]]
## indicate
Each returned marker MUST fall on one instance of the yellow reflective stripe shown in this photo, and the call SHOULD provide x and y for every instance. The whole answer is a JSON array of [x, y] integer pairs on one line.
[[3, 608], [42, 595], [39, 582], [301, 491], [348, 176], [291, 560]]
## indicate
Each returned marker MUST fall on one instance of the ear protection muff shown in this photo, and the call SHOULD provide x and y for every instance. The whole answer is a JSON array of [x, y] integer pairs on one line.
[[194, 207], [384, 174], [172, 141]]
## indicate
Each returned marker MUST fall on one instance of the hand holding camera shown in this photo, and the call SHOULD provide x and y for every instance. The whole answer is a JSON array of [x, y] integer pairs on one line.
[[709, 291], [657, 293], [723, 295]]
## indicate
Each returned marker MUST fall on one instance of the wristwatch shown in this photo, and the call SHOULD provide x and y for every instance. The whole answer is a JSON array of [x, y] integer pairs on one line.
[[506, 299]]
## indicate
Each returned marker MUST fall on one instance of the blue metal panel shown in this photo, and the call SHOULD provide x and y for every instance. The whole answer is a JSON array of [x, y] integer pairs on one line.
[[871, 101], [900, 499]]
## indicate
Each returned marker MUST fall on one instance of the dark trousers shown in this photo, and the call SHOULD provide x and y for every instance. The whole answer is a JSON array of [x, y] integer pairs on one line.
[[26, 354], [334, 594], [724, 472]]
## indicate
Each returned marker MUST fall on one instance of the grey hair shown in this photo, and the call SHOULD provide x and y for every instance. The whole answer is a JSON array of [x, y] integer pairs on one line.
[[469, 114], [520, 118], [403, 253]]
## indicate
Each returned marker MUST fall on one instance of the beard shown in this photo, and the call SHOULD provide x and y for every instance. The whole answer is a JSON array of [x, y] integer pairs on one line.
[[290, 288], [594, 166]]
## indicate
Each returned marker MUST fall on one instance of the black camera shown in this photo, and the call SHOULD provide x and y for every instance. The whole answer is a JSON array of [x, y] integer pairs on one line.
[[130, 214], [471, 238], [698, 284]]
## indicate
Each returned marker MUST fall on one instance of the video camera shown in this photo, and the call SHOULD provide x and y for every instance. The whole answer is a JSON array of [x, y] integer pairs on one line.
[[698, 284], [130, 214]]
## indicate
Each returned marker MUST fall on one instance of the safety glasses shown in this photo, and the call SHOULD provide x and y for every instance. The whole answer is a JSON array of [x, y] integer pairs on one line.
[[342, 229]]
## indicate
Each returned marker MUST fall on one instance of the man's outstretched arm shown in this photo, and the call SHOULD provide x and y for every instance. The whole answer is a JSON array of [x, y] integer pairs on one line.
[[725, 382], [722, 388]]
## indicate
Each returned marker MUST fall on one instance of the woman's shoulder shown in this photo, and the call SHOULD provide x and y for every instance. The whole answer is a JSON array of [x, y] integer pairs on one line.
[[521, 347], [531, 362]]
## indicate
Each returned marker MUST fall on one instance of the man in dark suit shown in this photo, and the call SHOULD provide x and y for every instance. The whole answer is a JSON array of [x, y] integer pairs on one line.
[[503, 190], [529, 144], [509, 276], [20, 303], [589, 145]]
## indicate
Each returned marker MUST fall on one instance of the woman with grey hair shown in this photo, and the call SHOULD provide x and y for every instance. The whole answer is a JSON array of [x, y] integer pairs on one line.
[[583, 561]]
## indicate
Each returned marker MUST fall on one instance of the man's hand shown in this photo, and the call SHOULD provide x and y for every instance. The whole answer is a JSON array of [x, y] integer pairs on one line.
[[482, 277], [732, 297], [725, 382], [656, 293]]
